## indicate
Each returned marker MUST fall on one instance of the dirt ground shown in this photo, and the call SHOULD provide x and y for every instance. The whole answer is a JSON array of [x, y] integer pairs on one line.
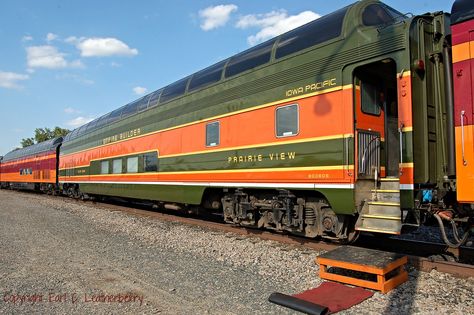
[[63, 257], [54, 261]]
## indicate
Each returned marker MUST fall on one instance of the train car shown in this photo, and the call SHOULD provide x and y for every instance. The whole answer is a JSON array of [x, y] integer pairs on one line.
[[1, 158], [462, 25], [32, 168], [339, 126]]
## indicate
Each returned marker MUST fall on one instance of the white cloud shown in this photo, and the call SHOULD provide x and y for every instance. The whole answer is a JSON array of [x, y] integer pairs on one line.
[[139, 90], [79, 121], [100, 47], [261, 20], [70, 110], [73, 40], [9, 80], [49, 57], [27, 38], [45, 57], [273, 23], [50, 37], [216, 16]]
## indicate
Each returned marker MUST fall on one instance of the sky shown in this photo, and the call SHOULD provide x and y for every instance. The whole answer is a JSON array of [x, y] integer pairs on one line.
[[64, 63]]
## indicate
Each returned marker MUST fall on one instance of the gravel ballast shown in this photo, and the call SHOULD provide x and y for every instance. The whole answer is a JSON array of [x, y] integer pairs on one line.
[[87, 259]]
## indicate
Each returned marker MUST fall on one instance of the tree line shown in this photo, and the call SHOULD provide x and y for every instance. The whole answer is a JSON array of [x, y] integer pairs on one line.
[[44, 134]]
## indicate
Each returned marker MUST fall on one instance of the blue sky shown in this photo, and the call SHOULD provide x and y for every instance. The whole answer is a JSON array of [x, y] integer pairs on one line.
[[66, 62]]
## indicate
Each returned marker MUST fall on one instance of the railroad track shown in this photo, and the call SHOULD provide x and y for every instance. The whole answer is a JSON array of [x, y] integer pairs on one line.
[[426, 256], [423, 256]]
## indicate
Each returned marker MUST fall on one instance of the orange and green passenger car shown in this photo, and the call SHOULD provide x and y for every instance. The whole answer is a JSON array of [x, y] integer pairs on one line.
[[313, 132], [349, 123]]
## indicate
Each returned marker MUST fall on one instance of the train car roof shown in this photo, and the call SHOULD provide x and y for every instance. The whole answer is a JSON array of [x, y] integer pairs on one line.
[[319, 31], [41, 147], [461, 11]]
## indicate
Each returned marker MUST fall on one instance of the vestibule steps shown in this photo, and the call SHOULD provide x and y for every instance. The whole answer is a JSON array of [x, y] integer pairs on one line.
[[382, 213]]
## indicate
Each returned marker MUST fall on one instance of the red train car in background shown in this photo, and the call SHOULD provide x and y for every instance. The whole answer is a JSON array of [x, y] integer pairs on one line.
[[33, 167], [462, 27]]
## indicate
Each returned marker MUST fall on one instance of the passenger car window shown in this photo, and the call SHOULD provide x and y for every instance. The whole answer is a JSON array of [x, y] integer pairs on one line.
[[101, 121], [174, 90], [150, 162], [207, 76], [375, 14], [380, 14], [369, 99], [154, 98], [287, 121], [104, 167], [313, 33], [212, 134], [249, 59], [91, 126], [114, 116], [130, 109], [132, 165], [117, 166]]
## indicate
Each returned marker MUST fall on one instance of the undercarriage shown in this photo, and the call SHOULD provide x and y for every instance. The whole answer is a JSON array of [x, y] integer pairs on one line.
[[283, 211]]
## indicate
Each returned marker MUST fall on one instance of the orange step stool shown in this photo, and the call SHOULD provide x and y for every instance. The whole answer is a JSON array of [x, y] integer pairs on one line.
[[385, 270]]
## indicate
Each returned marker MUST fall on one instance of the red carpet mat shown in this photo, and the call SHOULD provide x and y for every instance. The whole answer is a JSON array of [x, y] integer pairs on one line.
[[335, 296]]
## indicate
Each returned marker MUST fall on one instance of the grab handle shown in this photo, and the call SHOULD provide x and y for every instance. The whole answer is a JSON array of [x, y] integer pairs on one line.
[[464, 162], [347, 155], [400, 134]]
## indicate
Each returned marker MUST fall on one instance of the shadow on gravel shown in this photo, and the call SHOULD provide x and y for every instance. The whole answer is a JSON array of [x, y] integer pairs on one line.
[[402, 299]]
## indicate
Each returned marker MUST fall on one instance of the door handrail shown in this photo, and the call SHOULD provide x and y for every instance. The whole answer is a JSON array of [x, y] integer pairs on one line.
[[463, 114], [400, 135], [364, 166], [347, 155]]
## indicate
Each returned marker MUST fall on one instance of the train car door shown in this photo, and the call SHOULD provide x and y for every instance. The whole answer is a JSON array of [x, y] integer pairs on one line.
[[376, 120], [464, 103], [37, 168], [469, 141]]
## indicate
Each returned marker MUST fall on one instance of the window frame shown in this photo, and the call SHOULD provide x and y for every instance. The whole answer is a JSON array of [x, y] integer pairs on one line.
[[135, 170], [114, 116], [156, 154], [102, 163], [297, 120], [121, 166], [362, 82], [203, 76], [174, 90], [126, 112], [101, 121], [211, 145], [289, 43], [246, 60], [394, 15], [155, 98]]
